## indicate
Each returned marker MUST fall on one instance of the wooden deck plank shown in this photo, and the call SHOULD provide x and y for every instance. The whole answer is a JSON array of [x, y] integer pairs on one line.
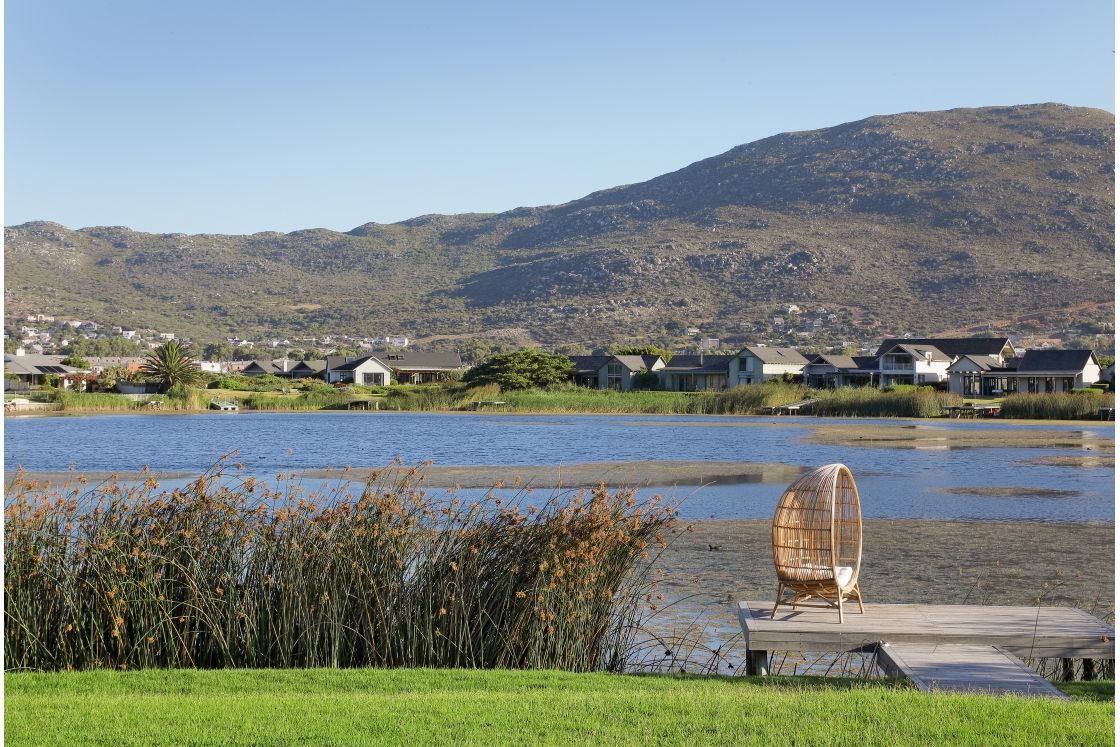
[[1025, 631], [964, 668]]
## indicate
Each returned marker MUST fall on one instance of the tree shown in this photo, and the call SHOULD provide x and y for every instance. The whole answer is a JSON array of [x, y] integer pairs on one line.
[[521, 370], [109, 346], [75, 362], [666, 355], [218, 351], [171, 364]]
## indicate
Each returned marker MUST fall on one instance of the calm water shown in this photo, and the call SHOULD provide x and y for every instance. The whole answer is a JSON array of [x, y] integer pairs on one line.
[[893, 483]]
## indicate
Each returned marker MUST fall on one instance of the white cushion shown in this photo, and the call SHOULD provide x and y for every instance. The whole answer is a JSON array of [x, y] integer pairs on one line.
[[843, 573]]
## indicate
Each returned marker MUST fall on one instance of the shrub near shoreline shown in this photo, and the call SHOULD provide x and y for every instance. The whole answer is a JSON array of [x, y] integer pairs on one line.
[[228, 572]]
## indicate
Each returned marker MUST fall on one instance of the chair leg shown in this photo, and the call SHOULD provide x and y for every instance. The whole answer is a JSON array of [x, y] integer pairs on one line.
[[859, 597], [840, 603], [777, 601]]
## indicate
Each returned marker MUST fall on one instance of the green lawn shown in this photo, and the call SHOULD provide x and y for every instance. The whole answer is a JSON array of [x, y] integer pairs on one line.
[[421, 707]]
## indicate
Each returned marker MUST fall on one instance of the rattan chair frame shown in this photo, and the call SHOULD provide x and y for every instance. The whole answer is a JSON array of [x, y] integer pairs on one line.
[[818, 529]]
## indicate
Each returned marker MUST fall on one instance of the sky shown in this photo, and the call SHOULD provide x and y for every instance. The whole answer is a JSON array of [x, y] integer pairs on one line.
[[220, 117]]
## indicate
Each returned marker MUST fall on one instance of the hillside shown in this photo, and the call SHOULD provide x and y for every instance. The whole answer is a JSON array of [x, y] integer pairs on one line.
[[917, 222]]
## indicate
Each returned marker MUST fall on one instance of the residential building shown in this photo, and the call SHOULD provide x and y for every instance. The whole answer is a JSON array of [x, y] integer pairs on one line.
[[421, 368], [32, 370], [399, 342], [695, 373], [620, 372], [913, 364], [831, 371], [587, 369], [367, 371], [999, 348], [754, 365], [1046, 371]]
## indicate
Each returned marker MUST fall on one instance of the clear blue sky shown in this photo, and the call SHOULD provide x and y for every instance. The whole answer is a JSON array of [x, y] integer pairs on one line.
[[237, 117]]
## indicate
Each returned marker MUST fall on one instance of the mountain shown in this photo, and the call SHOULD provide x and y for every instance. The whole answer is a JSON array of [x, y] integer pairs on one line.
[[918, 222]]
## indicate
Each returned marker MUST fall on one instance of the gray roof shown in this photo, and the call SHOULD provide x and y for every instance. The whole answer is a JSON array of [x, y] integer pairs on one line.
[[281, 367], [637, 362], [983, 362], [588, 364], [354, 364], [954, 347], [691, 364], [778, 355], [36, 365], [847, 362], [410, 361], [309, 366], [1073, 361], [919, 351]]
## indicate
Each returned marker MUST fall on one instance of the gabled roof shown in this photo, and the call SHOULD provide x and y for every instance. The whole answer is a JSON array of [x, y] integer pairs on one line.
[[983, 362], [637, 362], [36, 365], [1073, 361], [279, 367], [588, 364], [777, 355], [865, 362], [846, 362], [355, 364], [313, 366], [954, 346], [691, 364], [409, 361], [919, 351]]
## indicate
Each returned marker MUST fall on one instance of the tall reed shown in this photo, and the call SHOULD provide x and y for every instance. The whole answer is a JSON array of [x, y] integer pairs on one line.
[[870, 402], [1059, 406], [68, 400], [228, 572]]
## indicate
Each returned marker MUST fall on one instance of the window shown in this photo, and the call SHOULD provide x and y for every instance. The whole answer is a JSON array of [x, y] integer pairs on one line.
[[742, 364], [750, 364], [921, 378], [614, 376], [372, 379]]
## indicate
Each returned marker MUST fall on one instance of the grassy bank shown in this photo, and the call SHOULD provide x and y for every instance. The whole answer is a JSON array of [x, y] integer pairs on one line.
[[867, 402], [363, 706]]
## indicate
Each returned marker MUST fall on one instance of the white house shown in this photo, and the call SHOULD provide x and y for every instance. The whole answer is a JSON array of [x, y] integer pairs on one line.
[[755, 365], [913, 364], [367, 371]]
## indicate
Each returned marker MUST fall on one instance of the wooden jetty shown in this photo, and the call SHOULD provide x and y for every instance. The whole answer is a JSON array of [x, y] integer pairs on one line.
[[793, 408], [959, 411], [949, 647], [1107, 413], [223, 405]]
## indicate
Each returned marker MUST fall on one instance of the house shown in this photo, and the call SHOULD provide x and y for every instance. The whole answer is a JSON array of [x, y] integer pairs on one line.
[[1109, 375], [831, 371], [1047, 371], [167, 335], [587, 369], [913, 364], [367, 371], [280, 367], [620, 372], [967, 375], [691, 331], [754, 365], [998, 348], [421, 368], [399, 342], [308, 369], [129, 334], [32, 370], [695, 373]]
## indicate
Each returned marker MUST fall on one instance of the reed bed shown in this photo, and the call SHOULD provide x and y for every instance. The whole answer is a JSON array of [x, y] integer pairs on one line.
[[1061, 406], [228, 572], [305, 401], [67, 400], [868, 402], [738, 401]]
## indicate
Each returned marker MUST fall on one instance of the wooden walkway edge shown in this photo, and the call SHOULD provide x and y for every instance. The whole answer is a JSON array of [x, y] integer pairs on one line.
[[943, 647]]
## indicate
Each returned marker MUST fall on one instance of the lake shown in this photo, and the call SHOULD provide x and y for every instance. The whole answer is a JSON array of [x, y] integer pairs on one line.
[[968, 484]]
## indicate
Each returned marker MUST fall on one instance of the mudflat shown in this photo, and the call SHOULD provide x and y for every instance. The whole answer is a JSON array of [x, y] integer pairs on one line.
[[908, 561]]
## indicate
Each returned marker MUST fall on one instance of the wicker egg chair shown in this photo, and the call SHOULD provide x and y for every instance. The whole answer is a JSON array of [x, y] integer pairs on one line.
[[818, 540]]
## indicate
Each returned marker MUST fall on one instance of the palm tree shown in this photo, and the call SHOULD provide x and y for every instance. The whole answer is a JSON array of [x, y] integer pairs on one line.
[[171, 364]]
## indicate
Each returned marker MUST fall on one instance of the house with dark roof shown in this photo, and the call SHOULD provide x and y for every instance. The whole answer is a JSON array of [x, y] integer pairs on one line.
[[954, 347], [831, 371], [421, 368], [279, 367], [695, 373], [754, 365], [367, 371], [1037, 372], [587, 367]]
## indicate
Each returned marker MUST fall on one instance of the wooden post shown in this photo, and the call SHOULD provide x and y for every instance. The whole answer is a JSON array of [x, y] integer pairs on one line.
[[1088, 669], [758, 663], [1066, 670]]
